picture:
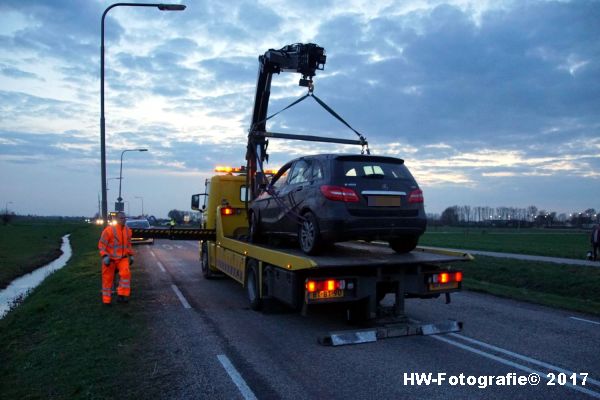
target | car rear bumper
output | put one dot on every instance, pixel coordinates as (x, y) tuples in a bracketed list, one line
[(335, 230)]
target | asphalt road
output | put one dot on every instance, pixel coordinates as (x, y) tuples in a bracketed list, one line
[(213, 346)]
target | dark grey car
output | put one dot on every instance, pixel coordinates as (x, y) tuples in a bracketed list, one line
[(329, 198)]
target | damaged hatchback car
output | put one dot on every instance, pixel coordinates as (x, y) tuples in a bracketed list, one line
[(328, 198)]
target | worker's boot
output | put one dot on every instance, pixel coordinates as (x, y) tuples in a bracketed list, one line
[(123, 299)]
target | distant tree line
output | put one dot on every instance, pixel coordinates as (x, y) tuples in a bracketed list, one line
[(512, 216)]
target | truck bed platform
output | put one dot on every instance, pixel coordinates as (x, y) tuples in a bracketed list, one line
[(364, 254)]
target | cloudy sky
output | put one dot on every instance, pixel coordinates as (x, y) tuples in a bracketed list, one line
[(490, 103)]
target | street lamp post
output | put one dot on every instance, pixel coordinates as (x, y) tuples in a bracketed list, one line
[(119, 203), (161, 7), (6, 207), (140, 197)]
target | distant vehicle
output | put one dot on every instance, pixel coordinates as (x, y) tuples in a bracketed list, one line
[(329, 198), (139, 223)]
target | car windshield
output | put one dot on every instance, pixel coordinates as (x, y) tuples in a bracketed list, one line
[(373, 169), (138, 224)]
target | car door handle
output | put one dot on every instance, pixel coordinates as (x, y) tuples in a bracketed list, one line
[(299, 188)]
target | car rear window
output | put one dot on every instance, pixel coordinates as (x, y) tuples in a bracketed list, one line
[(372, 169)]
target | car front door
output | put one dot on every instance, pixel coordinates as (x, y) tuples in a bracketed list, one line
[(293, 196), (268, 203)]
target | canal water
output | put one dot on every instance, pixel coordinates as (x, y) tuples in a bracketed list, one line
[(20, 287)]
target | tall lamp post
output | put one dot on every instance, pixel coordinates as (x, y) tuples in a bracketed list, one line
[(119, 203), (140, 197), (6, 208), (161, 7)]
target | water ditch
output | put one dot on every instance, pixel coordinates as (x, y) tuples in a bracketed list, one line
[(20, 287)]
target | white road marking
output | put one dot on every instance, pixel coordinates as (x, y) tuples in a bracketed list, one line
[(236, 378), (162, 268), (182, 299), (512, 364), (153, 255), (179, 246), (522, 357), (585, 320), (167, 246)]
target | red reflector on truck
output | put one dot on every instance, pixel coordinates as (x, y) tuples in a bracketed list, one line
[(458, 276)]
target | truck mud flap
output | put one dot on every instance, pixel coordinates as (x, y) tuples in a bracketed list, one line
[(346, 337)]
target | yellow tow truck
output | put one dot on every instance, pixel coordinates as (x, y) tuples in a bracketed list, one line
[(356, 274)]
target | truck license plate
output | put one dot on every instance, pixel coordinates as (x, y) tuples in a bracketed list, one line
[(325, 294), (443, 286), (384, 201)]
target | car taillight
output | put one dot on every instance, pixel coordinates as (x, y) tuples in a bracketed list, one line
[(339, 193), (416, 196)]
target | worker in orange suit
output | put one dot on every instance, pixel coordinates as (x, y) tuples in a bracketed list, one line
[(117, 254)]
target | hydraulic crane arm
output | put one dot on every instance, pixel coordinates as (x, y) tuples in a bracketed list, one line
[(305, 59)]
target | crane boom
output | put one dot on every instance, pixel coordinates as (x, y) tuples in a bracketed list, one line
[(305, 59)]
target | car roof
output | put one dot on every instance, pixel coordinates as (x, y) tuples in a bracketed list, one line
[(355, 157)]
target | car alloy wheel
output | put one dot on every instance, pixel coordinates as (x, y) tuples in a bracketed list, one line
[(308, 234)]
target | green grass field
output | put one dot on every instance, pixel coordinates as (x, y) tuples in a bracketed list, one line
[(540, 242), (27, 245), (556, 285), (61, 343)]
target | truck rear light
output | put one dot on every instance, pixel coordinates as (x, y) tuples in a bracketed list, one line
[(327, 284), (339, 193), (416, 196), (227, 210), (447, 277), (444, 277)]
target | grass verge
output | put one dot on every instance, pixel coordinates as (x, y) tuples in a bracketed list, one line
[(527, 241), (563, 286), (28, 245), (61, 343)]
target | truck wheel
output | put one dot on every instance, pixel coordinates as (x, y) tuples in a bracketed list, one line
[(309, 235), (252, 288), (254, 229), (404, 244), (206, 271)]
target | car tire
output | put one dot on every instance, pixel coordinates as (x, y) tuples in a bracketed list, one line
[(207, 273), (252, 286), (254, 234), (309, 234), (404, 244)]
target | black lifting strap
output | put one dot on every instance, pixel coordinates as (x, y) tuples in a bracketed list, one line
[(336, 115), (328, 109), (282, 110)]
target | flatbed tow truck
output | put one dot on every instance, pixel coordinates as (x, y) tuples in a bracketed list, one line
[(357, 274)]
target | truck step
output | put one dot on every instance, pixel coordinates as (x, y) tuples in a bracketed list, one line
[(357, 336)]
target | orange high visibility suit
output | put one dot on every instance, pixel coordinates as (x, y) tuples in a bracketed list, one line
[(115, 243)]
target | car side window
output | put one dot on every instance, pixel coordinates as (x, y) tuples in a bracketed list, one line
[(316, 171), (300, 172), (281, 179)]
